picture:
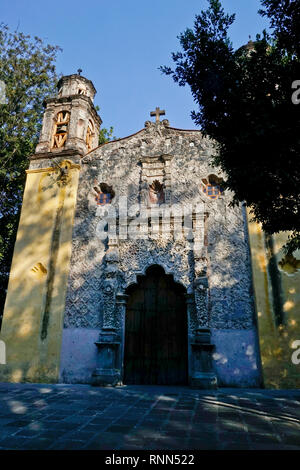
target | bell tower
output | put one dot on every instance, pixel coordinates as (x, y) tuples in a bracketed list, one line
[(71, 123), (35, 302)]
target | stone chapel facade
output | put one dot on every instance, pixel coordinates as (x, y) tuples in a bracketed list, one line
[(130, 266)]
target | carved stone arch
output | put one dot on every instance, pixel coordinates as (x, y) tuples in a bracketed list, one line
[(143, 273)]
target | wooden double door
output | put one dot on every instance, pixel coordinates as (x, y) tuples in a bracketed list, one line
[(156, 346)]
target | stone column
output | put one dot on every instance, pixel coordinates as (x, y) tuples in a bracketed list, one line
[(121, 301), (203, 376), (107, 372)]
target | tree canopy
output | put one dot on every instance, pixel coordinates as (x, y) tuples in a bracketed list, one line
[(284, 17), (244, 103), (106, 135), (27, 76)]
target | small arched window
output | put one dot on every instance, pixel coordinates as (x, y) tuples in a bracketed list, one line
[(104, 194), (212, 186), (60, 129), (89, 135)]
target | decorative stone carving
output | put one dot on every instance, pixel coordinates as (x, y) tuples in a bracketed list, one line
[(110, 285), (107, 373), (156, 193), (214, 266), (201, 299)]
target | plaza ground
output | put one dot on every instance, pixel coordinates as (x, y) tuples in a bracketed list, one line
[(42, 416)]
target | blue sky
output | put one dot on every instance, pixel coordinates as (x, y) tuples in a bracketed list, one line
[(120, 44)]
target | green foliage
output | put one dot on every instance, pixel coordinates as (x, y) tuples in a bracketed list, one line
[(244, 103), (106, 135), (28, 71), (284, 16)]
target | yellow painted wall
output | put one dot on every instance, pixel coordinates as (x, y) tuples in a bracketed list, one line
[(33, 315), (276, 340)]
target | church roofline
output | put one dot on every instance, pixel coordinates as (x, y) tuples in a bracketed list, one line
[(138, 132), (113, 141)]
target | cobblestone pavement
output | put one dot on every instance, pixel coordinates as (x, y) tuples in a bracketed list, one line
[(147, 417)]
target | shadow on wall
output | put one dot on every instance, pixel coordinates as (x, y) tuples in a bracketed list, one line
[(33, 315), (276, 281), (230, 285)]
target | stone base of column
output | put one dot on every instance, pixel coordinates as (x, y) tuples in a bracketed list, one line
[(203, 376), (106, 377), (107, 373), (204, 381)]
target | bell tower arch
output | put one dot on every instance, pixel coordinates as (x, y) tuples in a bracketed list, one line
[(71, 123)]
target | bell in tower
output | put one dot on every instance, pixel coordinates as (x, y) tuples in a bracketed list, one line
[(71, 123)]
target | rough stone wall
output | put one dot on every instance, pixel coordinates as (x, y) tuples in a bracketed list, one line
[(228, 264)]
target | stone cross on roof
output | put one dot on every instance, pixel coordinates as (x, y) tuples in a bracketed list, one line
[(158, 112)]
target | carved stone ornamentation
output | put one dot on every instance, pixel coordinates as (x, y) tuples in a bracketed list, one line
[(201, 300), (107, 372), (213, 265)]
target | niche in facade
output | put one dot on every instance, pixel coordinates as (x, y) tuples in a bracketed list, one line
[(89, 135)]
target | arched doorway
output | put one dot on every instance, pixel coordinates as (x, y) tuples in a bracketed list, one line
[(156, 340)]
